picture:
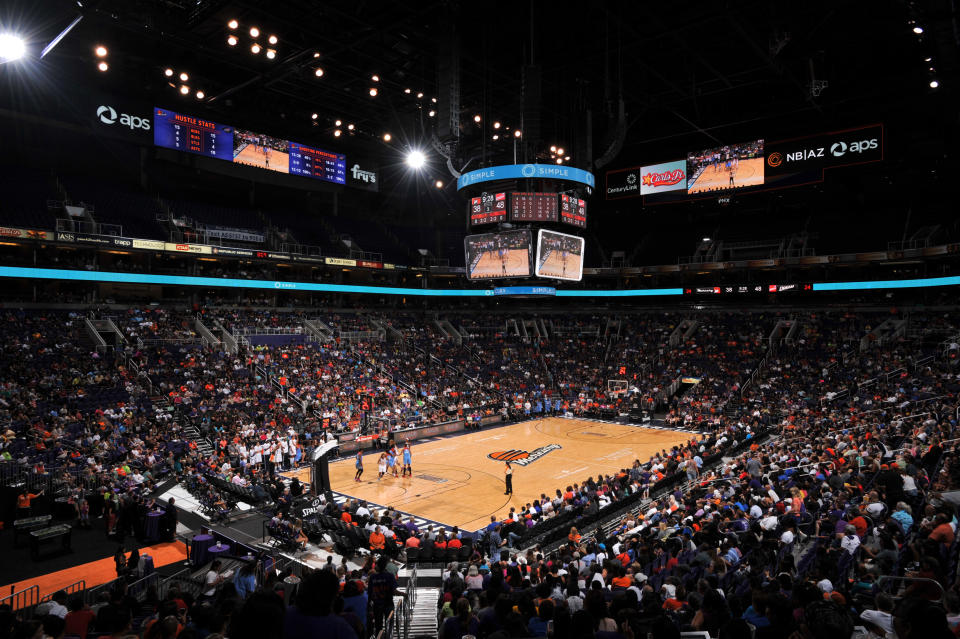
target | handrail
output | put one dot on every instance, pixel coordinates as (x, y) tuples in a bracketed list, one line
[(884, 578), (29, 596)]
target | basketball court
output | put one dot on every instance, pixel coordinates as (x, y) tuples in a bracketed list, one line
[(717, 178), (458, 481), (259, 156), (489, 265), (555, 266)]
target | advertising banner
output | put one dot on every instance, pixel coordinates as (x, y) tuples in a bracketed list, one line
[(340, 261), (825, 150), (198, 249), (666, 176)]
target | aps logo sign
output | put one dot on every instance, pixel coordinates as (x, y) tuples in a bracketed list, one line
[(108, 115), (522, 457)]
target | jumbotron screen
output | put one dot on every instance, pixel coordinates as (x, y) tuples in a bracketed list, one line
[(533, 207), (495, 255), (488, 208), (573, 210), (196, 135), (559, 256), (727, 167)]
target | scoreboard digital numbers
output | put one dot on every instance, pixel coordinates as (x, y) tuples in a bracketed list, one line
[(488, 208), (573, 210), (317, 163), (533, 207), (192, 134)]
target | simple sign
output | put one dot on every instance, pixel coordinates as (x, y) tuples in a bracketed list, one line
[(525, 172)]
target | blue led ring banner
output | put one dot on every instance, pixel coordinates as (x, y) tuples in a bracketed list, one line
[(524, 290), (525, 171), (185, 280)]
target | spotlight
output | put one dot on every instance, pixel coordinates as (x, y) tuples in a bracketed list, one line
[(496, 125), (201, 95), (184, 89), (373, 92), (337, 133), (272, 39), (11, 47), (706, 239), (517, 133), (567, 158), (349, 127), (928, 59), (419, 95), (438, 184), (918, 30), (416, 159), (101, 51), (375, 77), (431, 113), (255, 48), (559, 151), (407, 91), (184, 77), (318, 72), (316, 54), (553, 149), (934, 84), (232, 40), (254, 32), (476, 119), (496, 137), (168, 72), (233, 24), (314, 116), (103, 66), (271, 54), (434, 100), (387, 137), (559, 160), (338, 123)]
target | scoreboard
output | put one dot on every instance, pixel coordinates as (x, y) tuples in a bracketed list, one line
[(533, 207), (192, 134), (488, 208), (317, 163), (573, 210)]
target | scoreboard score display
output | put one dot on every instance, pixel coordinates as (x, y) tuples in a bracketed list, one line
[(317, 163), (488, 208), (192, 134), (533, 207), (573, 210)]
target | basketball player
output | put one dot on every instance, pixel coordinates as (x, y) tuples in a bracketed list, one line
[(359, 464), (407, 460), (508, 478), (563, 256), (731, 176), (382, 466), (391, 462), (503, 260)]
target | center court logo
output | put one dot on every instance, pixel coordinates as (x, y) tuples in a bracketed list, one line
[(522, 457)]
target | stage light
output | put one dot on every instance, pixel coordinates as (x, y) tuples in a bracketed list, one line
[(476, 119), (314, 116), (934, 84), (271, 54), (918, 30), (928, 59), (431, 113), (272, 39), (496, 137), (11, 47), (559, 151), (316, 54), (496, 125), (254, 32), (201, 95), (419, 95), (184, 77), (375, 77), (255, 48), (232, 41), (373, 92), (416, 159), (438, 184), (559, 160), (407, 91), (706, 239), (387, 137), (168, 72), (184, 89), (233, 24), (103, 66), (434, 100), (318, 72), (101, 51), (567, 158), (337, 133), (517, 133), (553, 149), (349, 127)]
